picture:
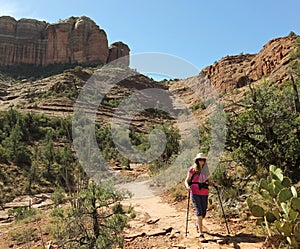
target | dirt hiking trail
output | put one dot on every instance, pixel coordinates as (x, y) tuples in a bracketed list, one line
[(159, 224)]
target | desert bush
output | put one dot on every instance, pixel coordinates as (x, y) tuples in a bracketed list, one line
[(96, 221), (197, 106), (178, 192), (21, 213), (58, 196), (23, 235), (266, 131)]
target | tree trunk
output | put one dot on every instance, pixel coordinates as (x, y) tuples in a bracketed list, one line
[(296, 95), (96, 228)]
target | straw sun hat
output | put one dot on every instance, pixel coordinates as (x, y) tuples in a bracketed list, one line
[(200, 156)]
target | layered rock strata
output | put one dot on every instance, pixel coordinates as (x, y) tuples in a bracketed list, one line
[(74, 40), (236, 71)]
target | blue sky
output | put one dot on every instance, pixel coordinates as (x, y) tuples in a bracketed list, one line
[(200, 32)]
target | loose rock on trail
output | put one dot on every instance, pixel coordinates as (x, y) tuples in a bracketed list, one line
[(159, 224)]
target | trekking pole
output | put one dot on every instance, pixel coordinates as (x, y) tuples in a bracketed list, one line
[(187, 214), (222, 209)]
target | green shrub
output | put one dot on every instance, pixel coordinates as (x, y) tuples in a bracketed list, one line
[(178, 192), (197, 106), (58, 196), (22, 235), (21, 213)]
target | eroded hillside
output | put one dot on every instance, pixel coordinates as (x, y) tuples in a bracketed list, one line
[(237, 71)]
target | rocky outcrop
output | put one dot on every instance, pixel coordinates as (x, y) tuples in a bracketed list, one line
[(74, 40), (236, 71), (272, 60), (119, 50), (229, 72), (271, 65), (20, 41)]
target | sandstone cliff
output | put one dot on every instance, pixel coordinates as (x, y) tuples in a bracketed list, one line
[(119, 50), (74, 40), (235, 71)]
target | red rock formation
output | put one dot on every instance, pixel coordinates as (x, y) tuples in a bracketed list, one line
[(20, 42), (118, 50), (229, 71), (74, 40), (235, 71), (272, 59)]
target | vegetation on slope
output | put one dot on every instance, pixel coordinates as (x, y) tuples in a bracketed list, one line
[(263, 131), (263, 137)]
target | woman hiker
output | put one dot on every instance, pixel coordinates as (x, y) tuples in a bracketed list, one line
[(197, 183)]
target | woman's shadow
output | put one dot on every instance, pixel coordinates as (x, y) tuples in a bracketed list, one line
[(235, 239)]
